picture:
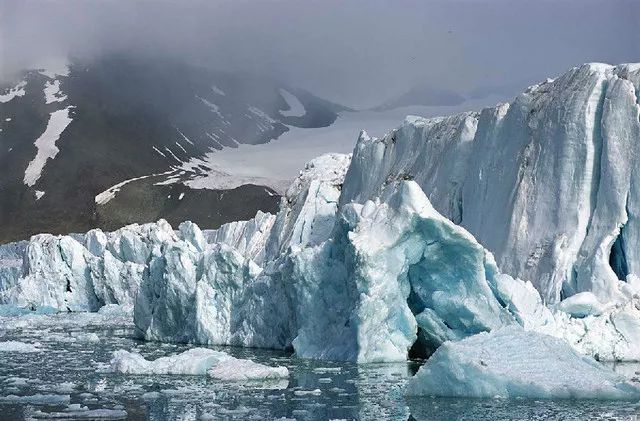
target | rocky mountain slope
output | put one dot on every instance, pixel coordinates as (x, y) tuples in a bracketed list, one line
[(111, 141)]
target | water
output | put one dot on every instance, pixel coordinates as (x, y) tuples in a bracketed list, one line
[(77, 349)]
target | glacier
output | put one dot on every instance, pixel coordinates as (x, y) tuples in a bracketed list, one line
[(548, 183), (524, 215)]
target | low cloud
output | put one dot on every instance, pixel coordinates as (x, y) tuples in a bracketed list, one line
[(357, 52)]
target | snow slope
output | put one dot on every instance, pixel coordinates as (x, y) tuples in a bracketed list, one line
[(277, 163)]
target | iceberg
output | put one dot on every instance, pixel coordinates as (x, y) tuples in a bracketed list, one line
[(514, 363), (196, 361)]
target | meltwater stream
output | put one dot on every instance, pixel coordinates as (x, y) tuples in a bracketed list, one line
[(66, 378)]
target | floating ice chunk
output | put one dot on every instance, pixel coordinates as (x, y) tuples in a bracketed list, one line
[(196, 361), (511, 363), (76, 412), (38, 399), (314, 392), (16, 346), (240, 370), (582, 305)]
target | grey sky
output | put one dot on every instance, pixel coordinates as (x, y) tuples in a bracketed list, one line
[(357, 52)]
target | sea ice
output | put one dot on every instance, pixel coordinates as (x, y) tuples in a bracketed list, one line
[(513, 363), (196, 361), (16, 346)]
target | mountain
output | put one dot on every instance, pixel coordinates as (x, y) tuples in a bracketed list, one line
[(110, 141), (523, 216), (425, 96)]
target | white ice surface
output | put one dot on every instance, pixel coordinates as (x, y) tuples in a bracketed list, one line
[(513, 363)]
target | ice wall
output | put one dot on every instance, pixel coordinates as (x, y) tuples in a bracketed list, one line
[(549, 183)]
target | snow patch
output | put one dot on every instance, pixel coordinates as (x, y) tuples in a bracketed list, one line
[(296, 109), (110, 193), (55, 67), (46, 145), (14, 92), (52, 92)]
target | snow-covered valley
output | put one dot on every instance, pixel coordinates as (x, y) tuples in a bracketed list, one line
[(520, 220)]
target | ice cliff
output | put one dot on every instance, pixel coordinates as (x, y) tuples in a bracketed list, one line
[(549, 183), (522, 216)]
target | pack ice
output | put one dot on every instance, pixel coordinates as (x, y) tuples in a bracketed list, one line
[(525, 214)]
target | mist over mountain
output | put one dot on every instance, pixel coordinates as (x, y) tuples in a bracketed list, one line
[(109, 142)]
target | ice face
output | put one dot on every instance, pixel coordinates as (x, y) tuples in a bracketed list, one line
[(513, 363), (549, 183)]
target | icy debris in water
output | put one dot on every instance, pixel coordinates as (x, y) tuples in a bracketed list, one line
[(314, 392), (65, 387), (17, 381), (512, 363), (151, 396), (241, 370), (16, 346), (321, 370), (38, 399), (196, 361), (77, 412)]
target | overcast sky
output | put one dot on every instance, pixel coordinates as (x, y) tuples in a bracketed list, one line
[(357, 52)]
